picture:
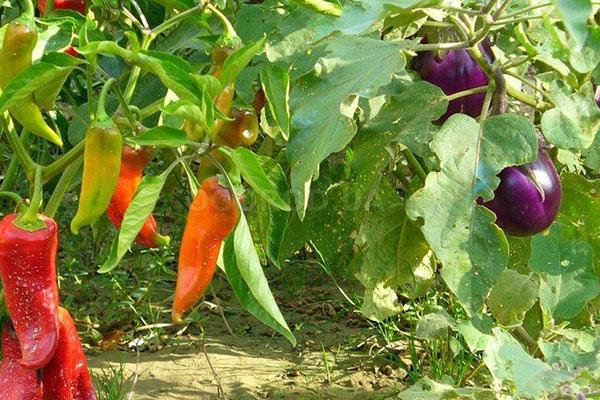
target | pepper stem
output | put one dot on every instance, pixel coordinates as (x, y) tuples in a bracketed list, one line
[(230, 36), (12, 196), (101, 114), (29, 219), (28, 10)]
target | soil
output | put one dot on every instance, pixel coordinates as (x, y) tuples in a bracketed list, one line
[(334, 358)]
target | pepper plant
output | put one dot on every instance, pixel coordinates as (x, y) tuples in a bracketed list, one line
[(420, 146)]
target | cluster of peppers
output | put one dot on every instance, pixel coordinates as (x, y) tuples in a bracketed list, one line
[(214, 211), (42, 353), (42, 356)]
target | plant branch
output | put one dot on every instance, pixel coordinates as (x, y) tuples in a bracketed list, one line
[(526, 10), (61, 188), (468, 92), (466, 11), (177, 19), (55, 168), (527, 99), (12, 196), (414, 164), (442, 46), (17, 146), (135, 71), (230, 33)]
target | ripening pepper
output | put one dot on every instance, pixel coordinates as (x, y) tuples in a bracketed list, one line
[(19, 41), (219, 55), (16, 382), (259, 102), (28, 273), (76, 5), (241, 131), (222, 101), (130, 177), (212, 216), (67, 377), (101, 165)]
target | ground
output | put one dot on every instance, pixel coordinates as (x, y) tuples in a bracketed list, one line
[(334, 358)]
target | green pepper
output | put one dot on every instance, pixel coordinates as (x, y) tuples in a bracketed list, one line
[(101, 166), (19, 41)]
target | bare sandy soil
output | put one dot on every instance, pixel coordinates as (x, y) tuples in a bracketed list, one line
[(333, 359)]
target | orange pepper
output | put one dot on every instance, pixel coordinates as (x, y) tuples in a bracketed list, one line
[(212, 216)]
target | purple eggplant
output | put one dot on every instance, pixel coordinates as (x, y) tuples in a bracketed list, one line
[(454, 72), (528, 198)]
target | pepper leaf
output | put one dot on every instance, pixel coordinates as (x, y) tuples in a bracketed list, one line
[(141, 206), (255, 175), (34, 80), (248, 280), (236, 62), (276, 86), (161, 136)]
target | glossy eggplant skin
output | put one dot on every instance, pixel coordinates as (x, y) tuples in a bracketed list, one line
[(454, 72), (519, 205)]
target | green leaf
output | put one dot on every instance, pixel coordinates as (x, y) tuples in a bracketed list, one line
[(579, 207), (248, 280), (236, 62), (406, 118), (584, 60), (171, 75), (380, 302), (275, 82), (141, 206), (324, 102), (509, 363), (161, 136), (46, 95), (271, 222), (321, 6), (573, 124), (477, 332), (255, 175), (434, 325), (565, 263), (574, 15), (34, 80), (511, 297), (473, 251), (391, 256), (428, 389)]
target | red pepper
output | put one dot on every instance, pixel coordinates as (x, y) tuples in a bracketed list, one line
[(77, 5), (259, 102), (16, 382), (72, 52), (67, 376), (28, 273), (132, 169)]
